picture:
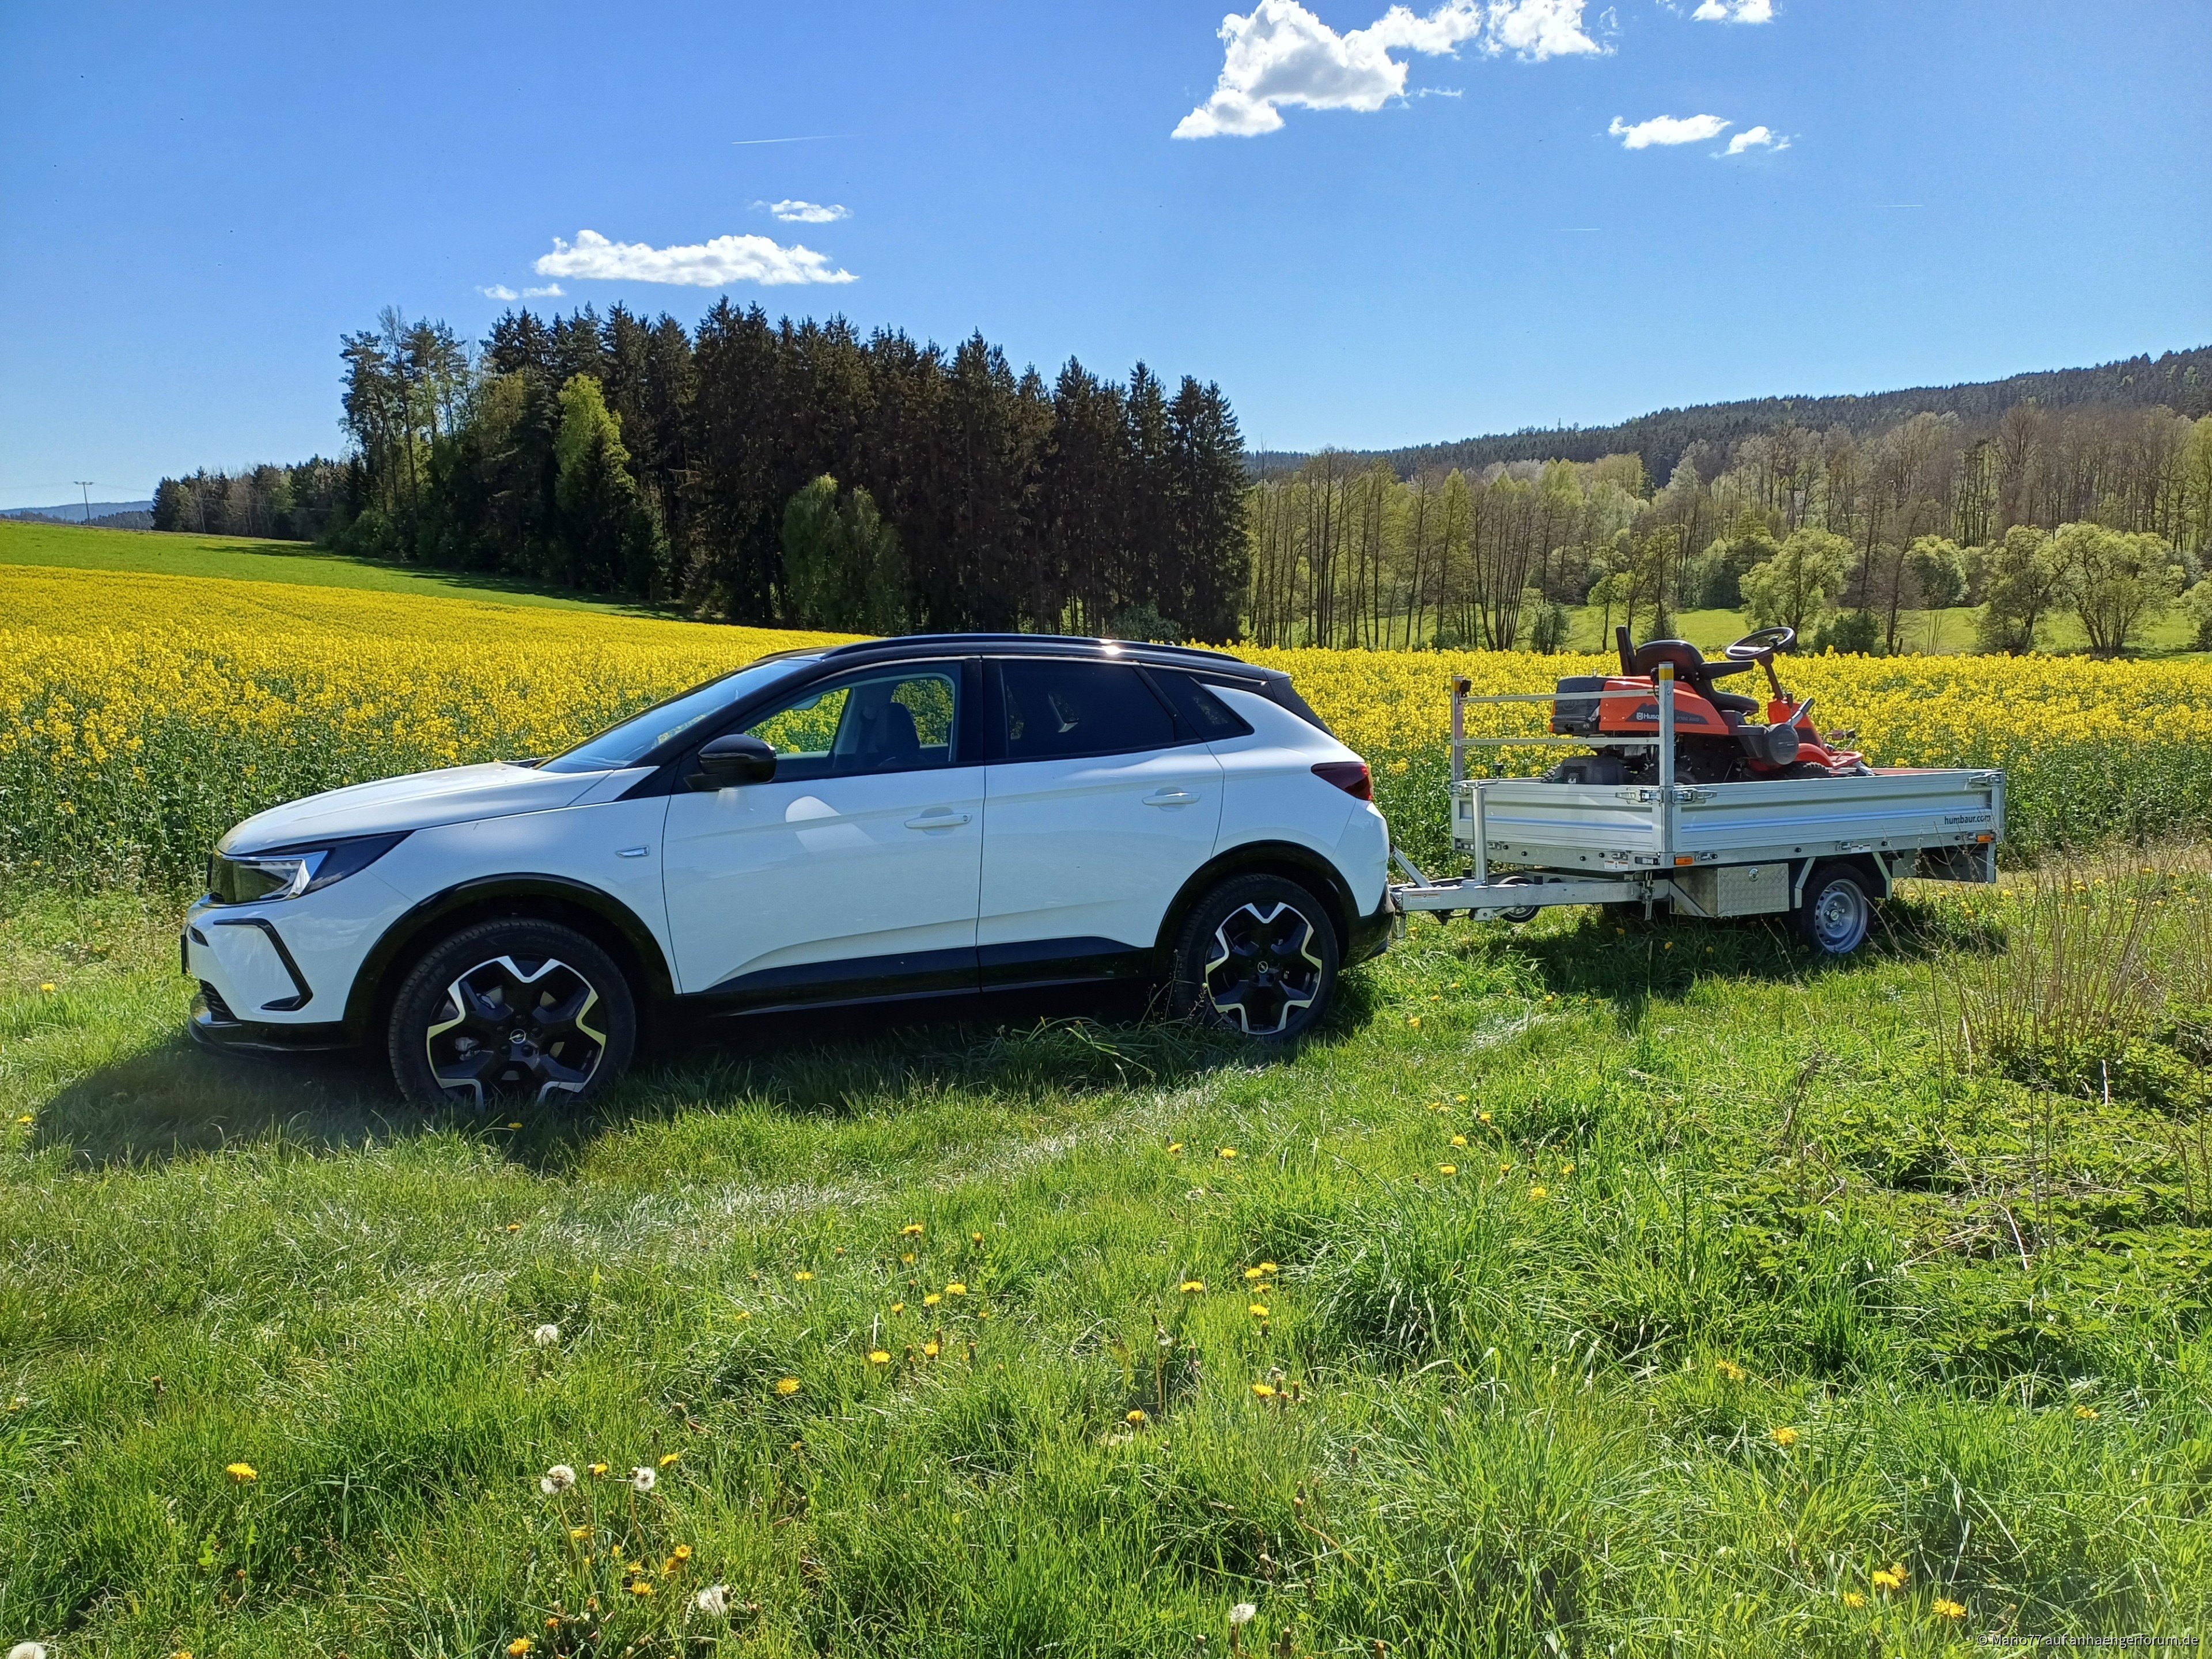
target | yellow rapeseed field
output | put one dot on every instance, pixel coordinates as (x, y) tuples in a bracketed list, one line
[(141, 716)]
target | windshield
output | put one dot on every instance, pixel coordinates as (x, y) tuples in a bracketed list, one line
[(627, 744)]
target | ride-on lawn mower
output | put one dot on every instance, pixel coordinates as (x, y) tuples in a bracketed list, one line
[(1715, 740)]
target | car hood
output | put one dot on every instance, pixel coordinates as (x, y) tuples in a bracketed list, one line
[(420, 800)]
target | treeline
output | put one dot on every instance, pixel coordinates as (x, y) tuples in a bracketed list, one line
[(2180, 381), (306, 502), (1918, 516), (743, 469)]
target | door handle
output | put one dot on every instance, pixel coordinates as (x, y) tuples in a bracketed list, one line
[(940, 818), (1170, 798)]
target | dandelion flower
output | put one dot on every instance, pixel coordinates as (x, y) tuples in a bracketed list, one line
[(670, 1458), (1538, 1194), (681, 1552), (802, 1275), (520, 1645), (787, 1385), (1888, 1578), (642, 1479), (556, 1479), (1136, 1419), (1459, 1140), (241, 1473), (1267, 1266), (955, 1288), (877, 1357), (907, 1259), (1784, 1436), (1175, 1146), (1258, 1311), (1415, 1020), (713, 1601), (1192, 1286), (1265, 1391), (641, 1587), (930, 1350), (1226, 1151), (1853, 1599), (2085, 1412), (1241, 1614), (546, 1335), (26, 1118), (1446, 1169), (1948, 1608), (598, 1468), (1730, 1370), (898, 1307), (1482, 1117), (47, 985), (975, 1238), (912, 1229), (1566, 1168), (580, 1532)]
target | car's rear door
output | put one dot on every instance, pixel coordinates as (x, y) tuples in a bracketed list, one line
[(1098, 806), (853, 873)]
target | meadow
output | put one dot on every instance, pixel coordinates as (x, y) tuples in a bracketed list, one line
[(1595, 1287)]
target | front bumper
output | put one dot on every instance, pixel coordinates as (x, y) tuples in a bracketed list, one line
[(215, 1028)]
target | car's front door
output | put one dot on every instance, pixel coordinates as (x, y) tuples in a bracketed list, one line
[(853, 873), (1098, 809)]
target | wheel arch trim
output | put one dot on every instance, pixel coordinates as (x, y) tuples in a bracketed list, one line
[(592, 911), (1284, 858)]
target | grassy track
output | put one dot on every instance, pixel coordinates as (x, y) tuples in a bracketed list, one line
[(1710, 1201), (242, 558)]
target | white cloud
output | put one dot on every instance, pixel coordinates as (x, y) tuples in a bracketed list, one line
[(1659, 129), (701, 264), (501, 291), (1757, 137), (1735, 11), (796, 212), (1279, 53)]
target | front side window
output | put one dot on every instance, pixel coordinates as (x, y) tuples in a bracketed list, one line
[(630, 742), (902, 721), (1057, 709)]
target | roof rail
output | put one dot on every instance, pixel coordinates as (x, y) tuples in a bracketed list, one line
[(1021, 642)]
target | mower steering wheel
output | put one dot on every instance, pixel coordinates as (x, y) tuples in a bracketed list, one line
[(1759, 642)]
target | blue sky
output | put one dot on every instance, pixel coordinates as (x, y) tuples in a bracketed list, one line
[(1482, 232)]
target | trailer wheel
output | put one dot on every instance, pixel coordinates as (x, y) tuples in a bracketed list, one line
[(1520, 912), (1836, 912)]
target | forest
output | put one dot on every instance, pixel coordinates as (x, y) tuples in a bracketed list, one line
[(772, 472), (795, 473), (2101, 512)]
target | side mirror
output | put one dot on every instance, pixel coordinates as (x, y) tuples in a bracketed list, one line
[(735, 759)]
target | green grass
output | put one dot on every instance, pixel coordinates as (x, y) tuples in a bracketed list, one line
[(241, 558), (1516, 1424)]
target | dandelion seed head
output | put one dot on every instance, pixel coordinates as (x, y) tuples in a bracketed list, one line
[(546, 1335)]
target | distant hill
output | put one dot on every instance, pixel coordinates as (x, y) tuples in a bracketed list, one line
[(113, 515), (2182, 380)]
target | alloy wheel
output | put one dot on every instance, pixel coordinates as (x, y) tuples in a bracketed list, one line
[(1265, 969), (516, 1029)]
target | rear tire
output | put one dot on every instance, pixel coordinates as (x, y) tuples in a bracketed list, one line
[(1837, 911), (1257, 955), (511, 1013)]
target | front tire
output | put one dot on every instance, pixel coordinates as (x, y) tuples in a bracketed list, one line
[(1835, 914), (510, 1014), (1257, 955)]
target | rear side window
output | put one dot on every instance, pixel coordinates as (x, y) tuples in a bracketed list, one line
[(1055, 709), (1203, 715)]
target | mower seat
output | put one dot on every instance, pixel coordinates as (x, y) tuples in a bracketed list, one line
[(1732, 702)]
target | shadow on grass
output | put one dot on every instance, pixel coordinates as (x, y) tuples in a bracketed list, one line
[(173, 1100), (1616, 955)]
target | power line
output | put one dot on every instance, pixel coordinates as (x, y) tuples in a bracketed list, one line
[(85, 484)]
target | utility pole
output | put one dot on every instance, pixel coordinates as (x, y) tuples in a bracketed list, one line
[(85, 484)]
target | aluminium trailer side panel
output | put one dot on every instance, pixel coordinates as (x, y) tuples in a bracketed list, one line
[(1596, 829)]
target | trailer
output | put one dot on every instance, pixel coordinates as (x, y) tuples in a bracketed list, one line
[(1818, 850)]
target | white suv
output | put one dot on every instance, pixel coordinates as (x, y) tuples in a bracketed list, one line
[(923, 818)]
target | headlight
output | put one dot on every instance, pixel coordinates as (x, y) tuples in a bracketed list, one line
[(288, 871)]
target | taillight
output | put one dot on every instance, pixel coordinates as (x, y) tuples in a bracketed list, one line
[(1350, 776)]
